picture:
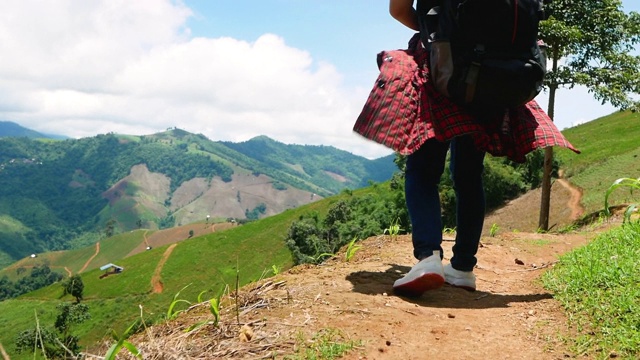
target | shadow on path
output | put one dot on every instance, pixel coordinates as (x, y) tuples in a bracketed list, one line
[(378, 283)]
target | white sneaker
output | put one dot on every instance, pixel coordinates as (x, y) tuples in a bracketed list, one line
[(428, 274), (462, 279)]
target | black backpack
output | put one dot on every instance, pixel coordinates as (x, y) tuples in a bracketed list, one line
[(484, 54)]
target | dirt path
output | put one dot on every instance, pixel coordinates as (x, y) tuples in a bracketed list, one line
[(68, 271), (574, 203), (156, 281), (91, 258), (510, 316)]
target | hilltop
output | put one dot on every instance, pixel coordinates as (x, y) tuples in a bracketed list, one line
[(11, 129)]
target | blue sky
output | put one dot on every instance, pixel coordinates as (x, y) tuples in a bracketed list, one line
[(298, 71)]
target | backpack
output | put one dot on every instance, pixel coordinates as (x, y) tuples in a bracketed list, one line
[(484, 54)]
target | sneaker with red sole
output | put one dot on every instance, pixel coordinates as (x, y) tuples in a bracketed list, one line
[(428, 274), (462, 279)]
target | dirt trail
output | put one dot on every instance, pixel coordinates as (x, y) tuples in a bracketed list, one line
[(156, 281), (574, 204), (91, 258), (510, 316)]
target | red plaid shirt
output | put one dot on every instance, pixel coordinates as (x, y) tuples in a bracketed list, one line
[(404, 110)]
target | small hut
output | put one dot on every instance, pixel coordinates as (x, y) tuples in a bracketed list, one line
[(111, 269)]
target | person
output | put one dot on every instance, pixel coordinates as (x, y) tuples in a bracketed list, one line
[(425, 131)]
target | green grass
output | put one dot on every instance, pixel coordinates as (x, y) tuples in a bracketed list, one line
[(204, 263), (111, 250), (328, 344), (599, 286), (610, 150)]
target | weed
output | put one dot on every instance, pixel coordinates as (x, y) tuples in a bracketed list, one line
[(494, 230), (276, 270), (394, 229), (214, 309), (352, 248), (448, 231), (121, 342), (328, 344), (318, 259), (626, 182), (171, 312)]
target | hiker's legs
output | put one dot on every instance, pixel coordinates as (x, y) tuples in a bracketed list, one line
[(466, 170), (423, 171)]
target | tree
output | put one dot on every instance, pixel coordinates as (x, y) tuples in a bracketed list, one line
[(595, 39), (110, 228), (57, 342), (74, 287)]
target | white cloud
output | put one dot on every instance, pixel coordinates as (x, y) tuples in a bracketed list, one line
[(83, 67)]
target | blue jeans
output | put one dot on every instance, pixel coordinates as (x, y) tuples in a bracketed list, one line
[(423, 172)]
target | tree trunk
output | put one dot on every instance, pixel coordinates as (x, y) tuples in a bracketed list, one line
[(545, 201)]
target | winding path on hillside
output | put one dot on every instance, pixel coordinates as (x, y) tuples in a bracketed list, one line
[(91, 258), (576, 197), (156, 281)]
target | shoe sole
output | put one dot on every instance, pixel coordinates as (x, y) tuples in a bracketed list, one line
[(418, 286), (468, 288)]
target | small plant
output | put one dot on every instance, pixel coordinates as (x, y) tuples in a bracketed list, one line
[(276, 270), (171, 312), (122, 342), (448, 231), (352, 248), (214, 308), (494, 230), (627, 182), (318, 259), (327, 344), (568, 228), (394, 229)]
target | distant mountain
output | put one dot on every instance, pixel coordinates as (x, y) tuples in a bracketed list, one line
[(11, 129), (63, 194)]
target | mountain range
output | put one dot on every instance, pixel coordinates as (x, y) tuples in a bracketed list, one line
[(61, 194)]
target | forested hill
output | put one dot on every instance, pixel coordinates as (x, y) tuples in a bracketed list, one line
[(56, 194), (8, 128)]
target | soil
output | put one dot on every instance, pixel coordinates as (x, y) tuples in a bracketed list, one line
[(156, 281), (510, 316), (91, 258)]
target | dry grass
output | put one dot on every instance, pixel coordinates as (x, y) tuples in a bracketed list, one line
[(235, 336)]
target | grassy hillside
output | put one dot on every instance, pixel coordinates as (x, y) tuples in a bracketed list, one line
[(111, 249), (202, 263), (610, 150)]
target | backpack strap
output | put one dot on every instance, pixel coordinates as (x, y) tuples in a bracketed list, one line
[(427, 19)]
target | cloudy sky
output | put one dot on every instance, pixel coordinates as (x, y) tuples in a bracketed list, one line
[(297, 71)]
